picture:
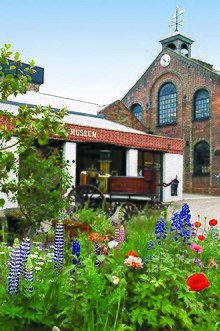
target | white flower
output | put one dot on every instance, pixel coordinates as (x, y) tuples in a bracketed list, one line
[(33, 256), (112, 244), (40, 263), (50, 254), (116, 280), (37, 268)]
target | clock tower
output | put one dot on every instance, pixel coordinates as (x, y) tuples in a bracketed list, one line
[(178, 43)]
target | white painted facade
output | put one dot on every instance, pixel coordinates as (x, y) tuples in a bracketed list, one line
[(131, 162), (172, 167), (70, 158)]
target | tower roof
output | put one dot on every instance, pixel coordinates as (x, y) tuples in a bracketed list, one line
[(176, 36)]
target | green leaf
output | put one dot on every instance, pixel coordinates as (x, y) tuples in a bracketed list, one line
[(7, 46), (12, 67), (16, 56), (2, 203)]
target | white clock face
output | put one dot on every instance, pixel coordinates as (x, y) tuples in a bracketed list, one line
[(165, 60)]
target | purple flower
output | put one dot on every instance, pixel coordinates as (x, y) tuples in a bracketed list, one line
[(15, 268), (121, 234), (25, 252), (58, 246)]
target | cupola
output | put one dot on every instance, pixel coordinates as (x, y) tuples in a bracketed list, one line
[(178, 43)]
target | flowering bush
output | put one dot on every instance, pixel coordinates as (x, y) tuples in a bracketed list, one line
[(149, 275)]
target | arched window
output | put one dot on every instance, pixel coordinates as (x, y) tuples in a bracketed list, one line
[(201, 104), (167, 104), (137, 111), (201, 158)]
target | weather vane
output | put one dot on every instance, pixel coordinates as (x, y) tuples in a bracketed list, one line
[(176, 20)]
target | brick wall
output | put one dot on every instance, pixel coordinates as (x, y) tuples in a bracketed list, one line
[(117, 112), (127, 139), (188, 77)]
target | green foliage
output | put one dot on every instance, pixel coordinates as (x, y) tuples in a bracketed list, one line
[(155, 297), (42, 179)]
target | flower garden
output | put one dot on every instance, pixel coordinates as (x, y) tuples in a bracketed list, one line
[(152, 273)]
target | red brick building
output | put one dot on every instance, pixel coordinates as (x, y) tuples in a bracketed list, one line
[(179, 96)]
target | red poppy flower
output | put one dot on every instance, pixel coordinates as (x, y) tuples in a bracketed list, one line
[(132, 253), (197, 282), (201, 237), (213, 222), (197, 224)]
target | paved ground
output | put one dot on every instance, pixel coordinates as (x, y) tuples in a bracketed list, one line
[(203, 205)]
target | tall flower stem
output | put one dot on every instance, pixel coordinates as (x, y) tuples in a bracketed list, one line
[(117, 313), (58, 247), (15, 268)]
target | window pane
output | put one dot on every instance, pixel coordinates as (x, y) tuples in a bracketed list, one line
[(201, 105), (137, 112), (167, 104), (201, 158)]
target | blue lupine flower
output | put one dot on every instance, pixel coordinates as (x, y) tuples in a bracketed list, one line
[(160, 231), (181, 222), (151, 245), (15, 268), (185, 214), (76, 253), (25, 252), (185, 233), (58, 246), (98, 252), (29, 276), (177, 222)]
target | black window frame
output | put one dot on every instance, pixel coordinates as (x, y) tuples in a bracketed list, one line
[(137, 113), (201, 110), (167, 104), (201, 159)]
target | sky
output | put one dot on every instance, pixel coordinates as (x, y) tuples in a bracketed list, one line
[(96, 50)]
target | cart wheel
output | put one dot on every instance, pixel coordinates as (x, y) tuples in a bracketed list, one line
[(85, 195), (128, 210), (111, 208)]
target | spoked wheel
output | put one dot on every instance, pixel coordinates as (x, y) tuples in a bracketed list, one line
[(127, 211), (85, 195), (112, 208)]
